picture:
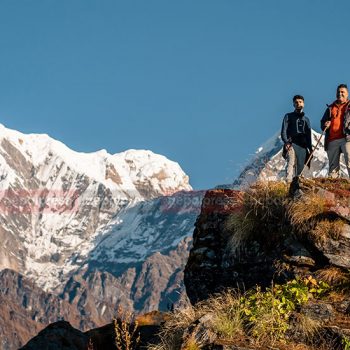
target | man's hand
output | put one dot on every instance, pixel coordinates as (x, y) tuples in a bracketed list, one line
[(288, 146), (327, 124)]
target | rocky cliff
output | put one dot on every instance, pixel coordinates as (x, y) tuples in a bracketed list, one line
[(270, 234), (244, 238)]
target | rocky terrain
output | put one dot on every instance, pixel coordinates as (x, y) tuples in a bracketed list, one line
[(221, 259), (98, 230), (272, 234), (283, 247)]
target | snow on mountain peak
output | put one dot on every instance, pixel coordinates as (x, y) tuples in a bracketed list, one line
[(117, 171), (268, 164), (55, 202)]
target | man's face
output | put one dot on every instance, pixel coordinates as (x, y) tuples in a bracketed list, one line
[(298, 104), (342, 94)]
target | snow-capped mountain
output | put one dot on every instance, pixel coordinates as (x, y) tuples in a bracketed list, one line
[(63, 211), (268, 163)]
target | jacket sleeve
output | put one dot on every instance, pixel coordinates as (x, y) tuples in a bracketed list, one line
[(326, 117), (308, 134), (284, 136)]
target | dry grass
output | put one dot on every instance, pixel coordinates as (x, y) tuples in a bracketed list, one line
[(292, 346), (265, 199), (225, 323), (227, 309), (306, 327), (339, 280), (242, 226), (303, 210), (333, 276), (261, 204), (191, 343), (182, 318), (325, 229), (298, 347), (171, 335), (232, 311), (127, 335)]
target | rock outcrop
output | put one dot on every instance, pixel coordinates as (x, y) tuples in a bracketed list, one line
[(61, 335), (272, 235), (276, 238)]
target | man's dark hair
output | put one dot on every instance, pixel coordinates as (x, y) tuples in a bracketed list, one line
[(342, 86), (298, 97)]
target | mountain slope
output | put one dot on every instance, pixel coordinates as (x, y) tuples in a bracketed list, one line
[(54, 201)]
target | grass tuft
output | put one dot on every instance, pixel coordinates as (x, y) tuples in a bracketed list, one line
[(227, 310), (304, 209), (306, 327), (171, 335), (191, 343), (261, 205), (325, 229)]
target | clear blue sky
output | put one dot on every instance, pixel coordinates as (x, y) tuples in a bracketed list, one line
[(201, 82)]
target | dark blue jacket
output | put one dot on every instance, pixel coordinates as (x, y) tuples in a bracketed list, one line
[(296, 128)]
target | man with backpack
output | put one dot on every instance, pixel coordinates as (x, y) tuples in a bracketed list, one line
[(336, 125), (296, 135)]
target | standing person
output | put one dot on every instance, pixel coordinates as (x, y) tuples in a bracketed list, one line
[(296, 135), (336, 124)]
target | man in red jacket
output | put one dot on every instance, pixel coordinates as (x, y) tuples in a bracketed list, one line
[(336, 123)]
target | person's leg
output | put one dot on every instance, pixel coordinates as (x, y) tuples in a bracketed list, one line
[(291, 164), (346, 150), (333, 153), (300, 155)]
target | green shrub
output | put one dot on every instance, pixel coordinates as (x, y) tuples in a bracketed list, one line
[(265, 315)]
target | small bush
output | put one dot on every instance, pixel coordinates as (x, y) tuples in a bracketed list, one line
[(265, 320), (265, 316)]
